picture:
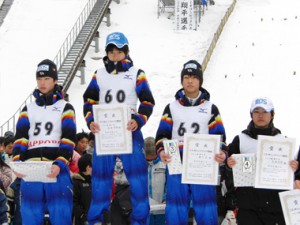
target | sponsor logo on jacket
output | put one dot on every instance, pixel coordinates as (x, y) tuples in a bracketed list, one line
[(42, 142)]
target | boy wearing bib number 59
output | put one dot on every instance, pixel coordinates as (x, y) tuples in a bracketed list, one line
[(120, 82), (191, 112), (46, 131)]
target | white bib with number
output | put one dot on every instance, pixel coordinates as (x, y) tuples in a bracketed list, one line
[(118, 88), (193, 119), (45, 124)]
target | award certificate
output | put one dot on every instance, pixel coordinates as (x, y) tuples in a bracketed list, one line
[(199, 165), (273, 169), (244, 170), (171, 147), (113, 138), (34, 171), (290, 202)]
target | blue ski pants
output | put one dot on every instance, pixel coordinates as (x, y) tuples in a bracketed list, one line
[(135, 168), (178, 201)]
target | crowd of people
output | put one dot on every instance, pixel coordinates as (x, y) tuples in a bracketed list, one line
[(120, 189)]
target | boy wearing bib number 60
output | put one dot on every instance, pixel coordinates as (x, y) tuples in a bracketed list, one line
[(120, 82), (191, 112), (46, 131)]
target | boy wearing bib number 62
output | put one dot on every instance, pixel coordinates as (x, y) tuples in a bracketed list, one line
[(46, 131), (191, 112), (120, 82)]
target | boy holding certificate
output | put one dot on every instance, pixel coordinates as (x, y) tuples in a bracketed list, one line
[(257, 206), (46, 131), (191, 112), (119, 82)]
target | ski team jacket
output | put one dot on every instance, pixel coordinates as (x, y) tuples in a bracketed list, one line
[(211, 124), (95, 95), (250, 198), (60, 148)]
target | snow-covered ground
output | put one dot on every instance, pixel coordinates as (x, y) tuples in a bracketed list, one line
[(257, 54)]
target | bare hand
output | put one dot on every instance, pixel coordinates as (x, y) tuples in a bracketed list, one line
[(132, 125), (94, 127), (231, 162), (54, 171), (297, 184), (220, 157), (294, 165), (19, 175), (165, 158)]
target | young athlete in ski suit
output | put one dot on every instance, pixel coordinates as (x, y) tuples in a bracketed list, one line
[(46, 131), (191, 112), (120, 82)]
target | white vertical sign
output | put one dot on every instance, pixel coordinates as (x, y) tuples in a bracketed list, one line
[(184, 14)]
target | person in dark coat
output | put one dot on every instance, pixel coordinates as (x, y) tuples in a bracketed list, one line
[(256, 205), (4, 208), (82, 189)]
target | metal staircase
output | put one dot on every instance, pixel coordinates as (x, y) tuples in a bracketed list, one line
[(4, 8), (69, 65), (72, 51)]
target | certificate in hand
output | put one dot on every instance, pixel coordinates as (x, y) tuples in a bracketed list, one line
[(171, 147), (113, 138), (273, 170), (290, 202), (34, 171), (244, 170), (199, 165)]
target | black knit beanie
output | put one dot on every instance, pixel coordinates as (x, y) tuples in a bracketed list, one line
[(192, 67), (47, 68)]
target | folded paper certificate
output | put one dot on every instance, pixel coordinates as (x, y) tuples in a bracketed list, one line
[(244, 170), (290, 202), (171, 147), (34, 171), (199, 165), (273, 170), (113, 138)]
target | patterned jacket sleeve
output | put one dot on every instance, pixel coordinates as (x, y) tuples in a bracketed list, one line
[(4, 209), (6, 176), (21, 142), (164, 130), (216, 126), (68, 136), (90, 98), (146, 100)]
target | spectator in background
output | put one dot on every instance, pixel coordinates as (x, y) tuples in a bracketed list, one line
[(8, 148), (73, 165), (156, 181), (81, 142), (8, 134), (14, 200), (82, 190), (91, 143), (2, 146), (121, 207), (5, 174), (4, 208)]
